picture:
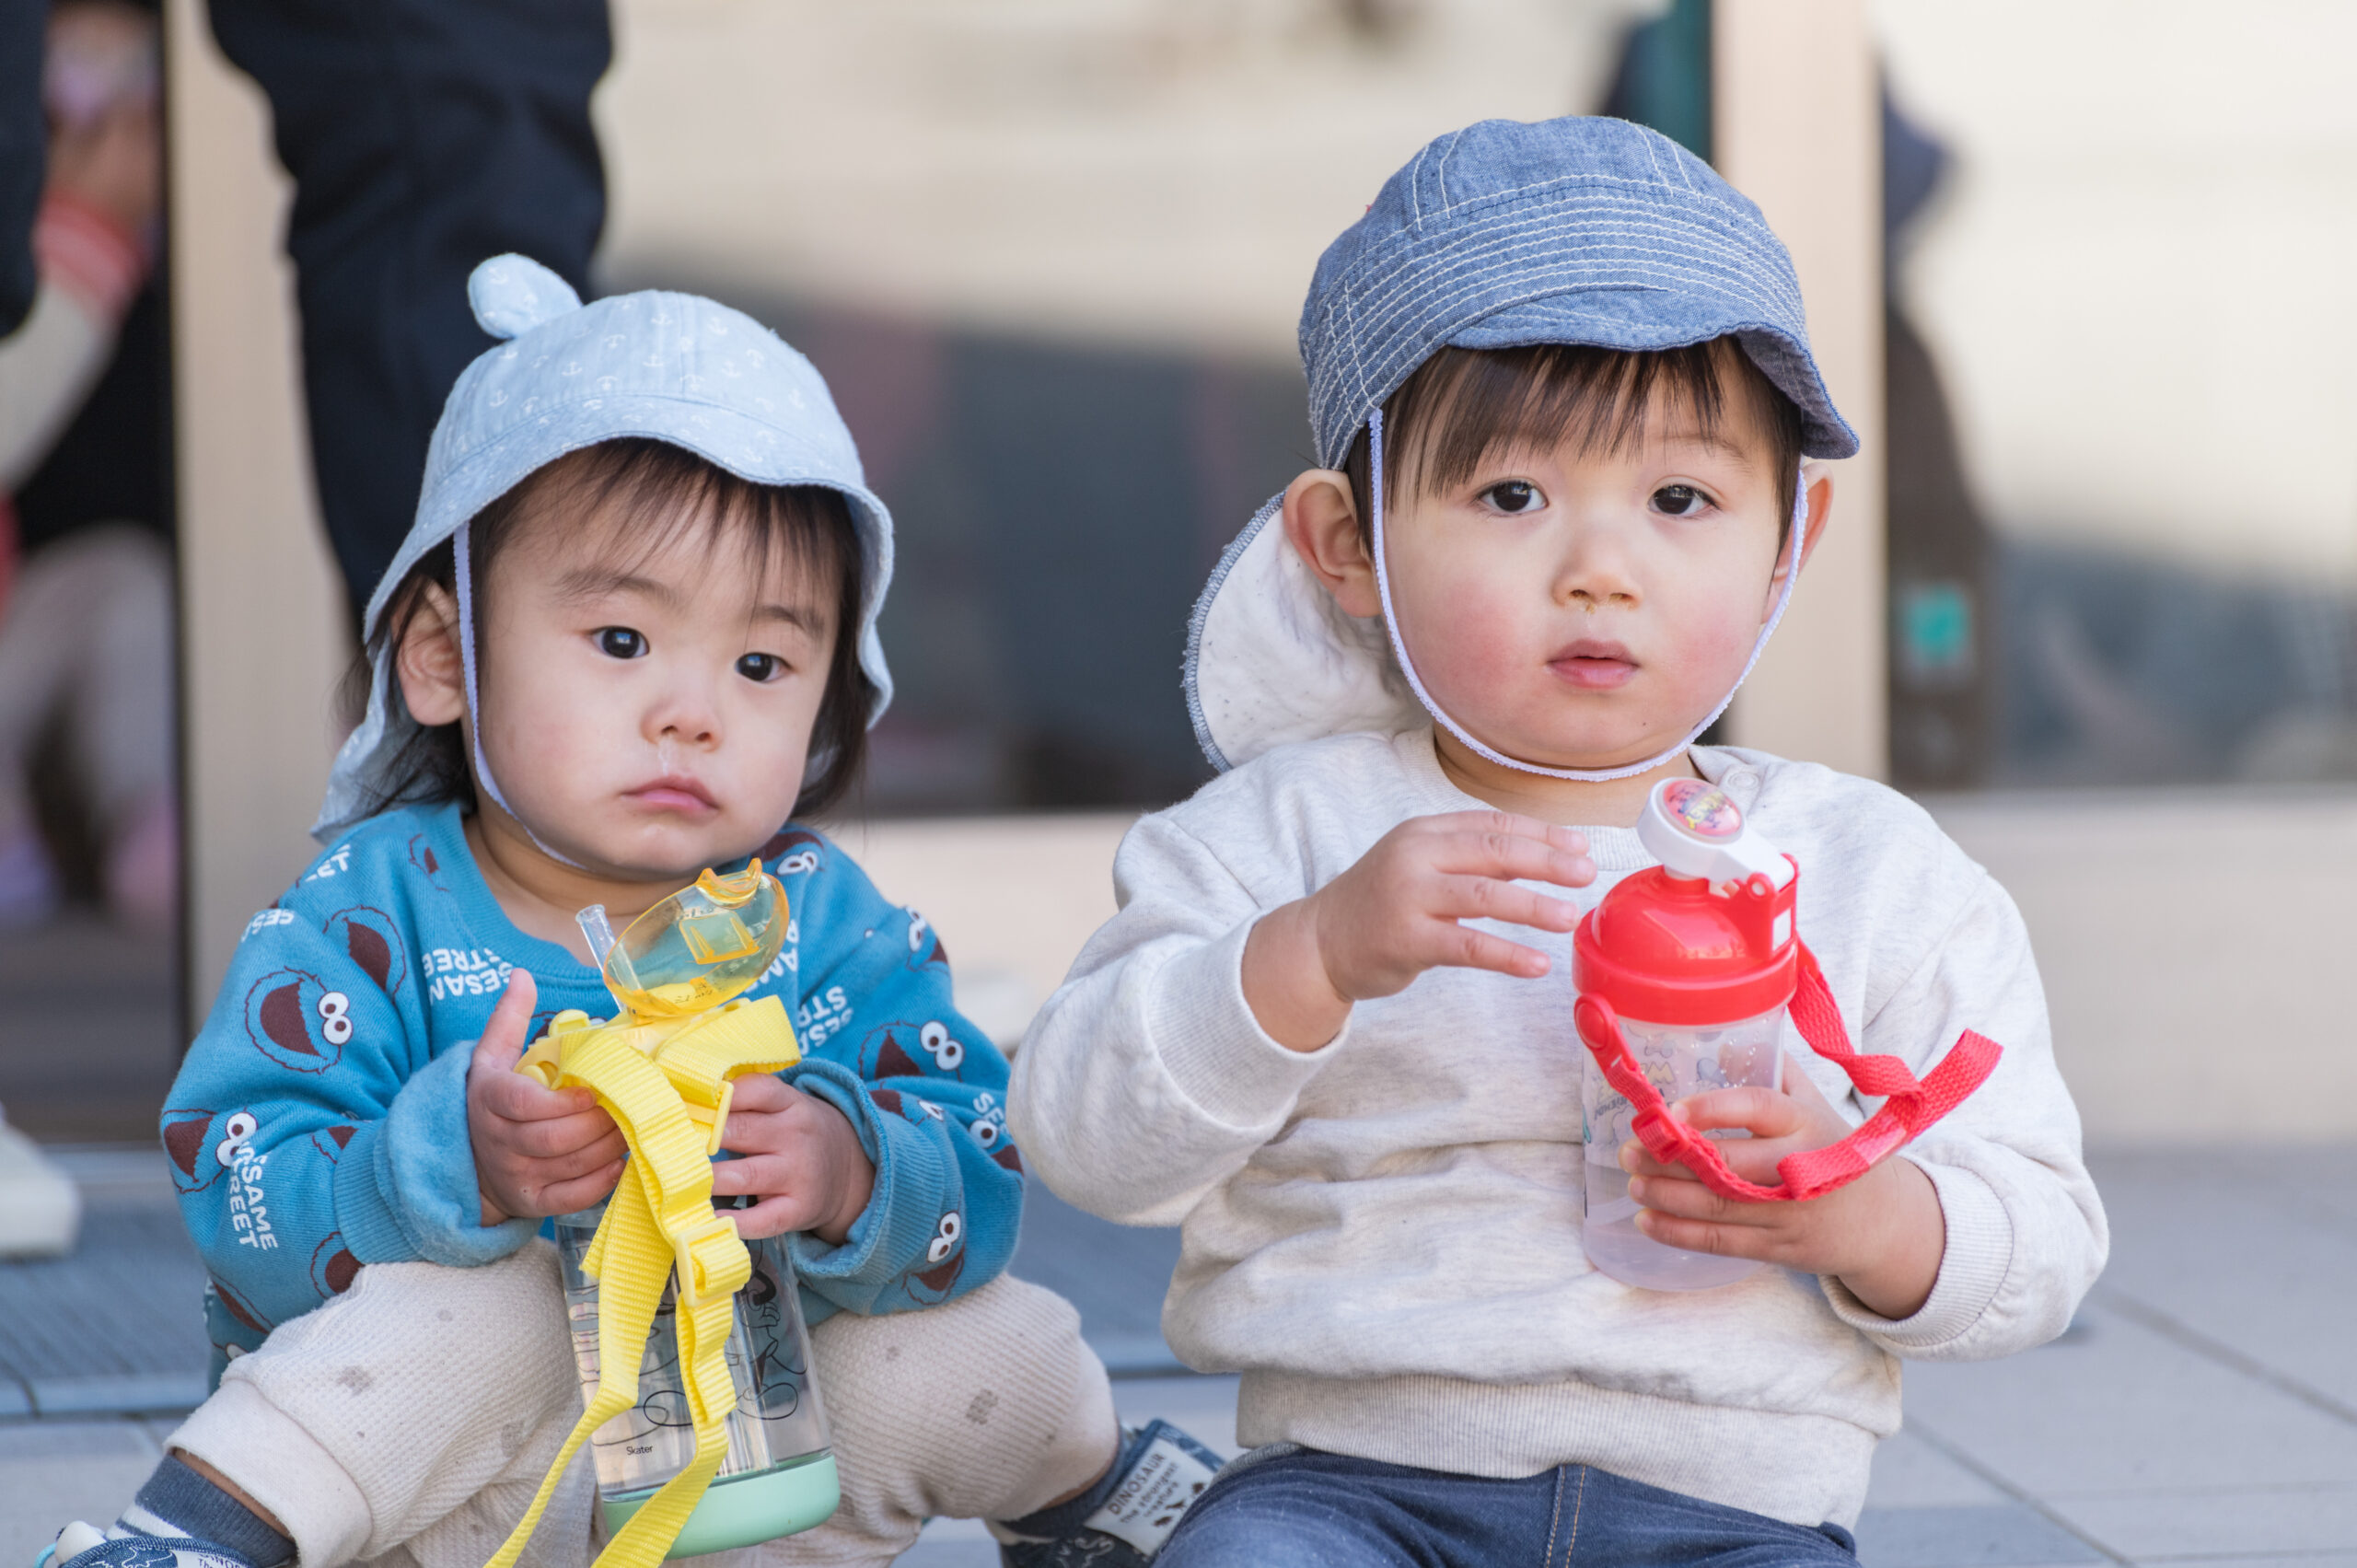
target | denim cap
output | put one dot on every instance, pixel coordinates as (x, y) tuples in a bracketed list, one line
[(1502, 234), (666, 366)]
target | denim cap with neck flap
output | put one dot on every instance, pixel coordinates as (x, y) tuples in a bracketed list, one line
[(664, 367), (1502, 234)]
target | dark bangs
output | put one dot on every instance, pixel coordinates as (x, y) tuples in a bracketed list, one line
[(656, 492), (1462, 406)]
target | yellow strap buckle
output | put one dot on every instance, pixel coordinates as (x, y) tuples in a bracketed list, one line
[(666, 1083), (712, 1262)]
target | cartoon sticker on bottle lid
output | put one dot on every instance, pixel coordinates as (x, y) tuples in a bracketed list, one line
[(1700, 810)]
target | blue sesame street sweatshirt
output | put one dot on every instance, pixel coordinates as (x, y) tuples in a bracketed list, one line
[(319, 1120)]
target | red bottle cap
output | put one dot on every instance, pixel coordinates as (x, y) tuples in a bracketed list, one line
[(1672, 949)]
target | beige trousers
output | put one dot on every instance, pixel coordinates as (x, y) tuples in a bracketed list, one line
[(409, 1421)]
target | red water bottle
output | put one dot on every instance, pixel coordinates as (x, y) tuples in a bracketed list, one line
[(1685, 974), (1696, 959)]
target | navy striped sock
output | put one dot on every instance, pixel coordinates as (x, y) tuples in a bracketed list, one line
[(177, 1500)]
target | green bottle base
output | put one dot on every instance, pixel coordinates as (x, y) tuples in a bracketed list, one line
[(744, 1510)]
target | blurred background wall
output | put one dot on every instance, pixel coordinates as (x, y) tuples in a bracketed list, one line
[(1051, 257), (2134, 280), (1050, 254)]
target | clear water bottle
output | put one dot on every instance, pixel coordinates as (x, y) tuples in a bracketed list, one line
[(1697, 958), (779, 1475)]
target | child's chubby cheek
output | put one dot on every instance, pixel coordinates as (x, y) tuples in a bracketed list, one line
[(1701, 646), (1469, 632)]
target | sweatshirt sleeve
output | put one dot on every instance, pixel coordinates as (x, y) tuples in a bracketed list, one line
[(310, 1131), (1146, 1081), (2025, 1233), (925, 1088)]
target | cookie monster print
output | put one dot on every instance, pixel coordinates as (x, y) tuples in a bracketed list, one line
[(945, 1259), (359, 981), (238, 1308), (366, 936), (332, 1266), (920, 1051), (797, 851), (926, 955), (989, 1126), (427, 863), (296, 1020), (883, 1055), (193, 1144)]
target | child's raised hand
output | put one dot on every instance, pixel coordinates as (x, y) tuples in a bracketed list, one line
[(1882, 1235), (799, 1155), (1375, 928), (537, 1151)]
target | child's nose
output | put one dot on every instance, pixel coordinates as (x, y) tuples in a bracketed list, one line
[(686, 714), (1593, 599), (1597, 568)]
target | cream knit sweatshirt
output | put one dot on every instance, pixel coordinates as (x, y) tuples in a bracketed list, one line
[(1383, 1236)]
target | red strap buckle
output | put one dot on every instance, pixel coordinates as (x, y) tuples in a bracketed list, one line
[(1909, 1105)]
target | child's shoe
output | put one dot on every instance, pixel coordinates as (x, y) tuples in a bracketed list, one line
[(1123, 1520), (40, 1209), (86, 1546), (180, 1520)]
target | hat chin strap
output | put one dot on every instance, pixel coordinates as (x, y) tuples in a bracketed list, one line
[(1416, 684), (465, 574)]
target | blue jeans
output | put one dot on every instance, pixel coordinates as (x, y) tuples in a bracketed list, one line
[(1306, 1509)]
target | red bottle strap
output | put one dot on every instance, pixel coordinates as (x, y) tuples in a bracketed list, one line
[(1909, 1105)]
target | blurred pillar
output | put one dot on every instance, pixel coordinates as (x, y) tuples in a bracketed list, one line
[(1798, 127), (261, 643)]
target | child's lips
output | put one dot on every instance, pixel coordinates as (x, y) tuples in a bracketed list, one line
[(1593, 665), (675, 792)]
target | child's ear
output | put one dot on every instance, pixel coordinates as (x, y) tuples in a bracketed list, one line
[(1816, 482), (1322, 523), (428, 663)]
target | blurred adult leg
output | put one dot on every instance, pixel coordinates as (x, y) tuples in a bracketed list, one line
[(424, 136), (87, 633), (24, 152)]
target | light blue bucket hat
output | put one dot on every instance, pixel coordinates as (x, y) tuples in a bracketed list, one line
[(1502, 234), (666, 366)]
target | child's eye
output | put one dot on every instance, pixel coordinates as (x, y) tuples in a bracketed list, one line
[(1679, 500), (620, 642), (1515, 497), (762, 668)]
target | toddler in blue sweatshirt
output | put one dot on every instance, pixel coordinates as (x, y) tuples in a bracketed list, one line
[(631, 632)]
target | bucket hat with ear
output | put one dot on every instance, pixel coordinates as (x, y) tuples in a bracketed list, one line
[(1502, 234), (666, 366)]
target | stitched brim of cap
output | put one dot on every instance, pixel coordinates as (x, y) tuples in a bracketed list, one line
[(1622, 318), (758, 452), (1271, 659), (749, 449)]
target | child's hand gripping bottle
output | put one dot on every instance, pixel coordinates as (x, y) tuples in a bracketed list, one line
[(1686, 972), (707, 1433)]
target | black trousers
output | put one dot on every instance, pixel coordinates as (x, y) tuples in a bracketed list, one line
[(24, 151), (424, 136)]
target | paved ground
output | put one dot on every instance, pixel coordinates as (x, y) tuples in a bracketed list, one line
[(2204, 1410)]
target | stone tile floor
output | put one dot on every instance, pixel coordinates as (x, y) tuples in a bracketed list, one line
[(2203, 1411)]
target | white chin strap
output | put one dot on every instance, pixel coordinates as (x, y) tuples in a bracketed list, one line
[(465, 575), (1416, 684)]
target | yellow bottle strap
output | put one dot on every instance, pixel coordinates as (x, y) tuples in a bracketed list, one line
[(667, 1086)]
